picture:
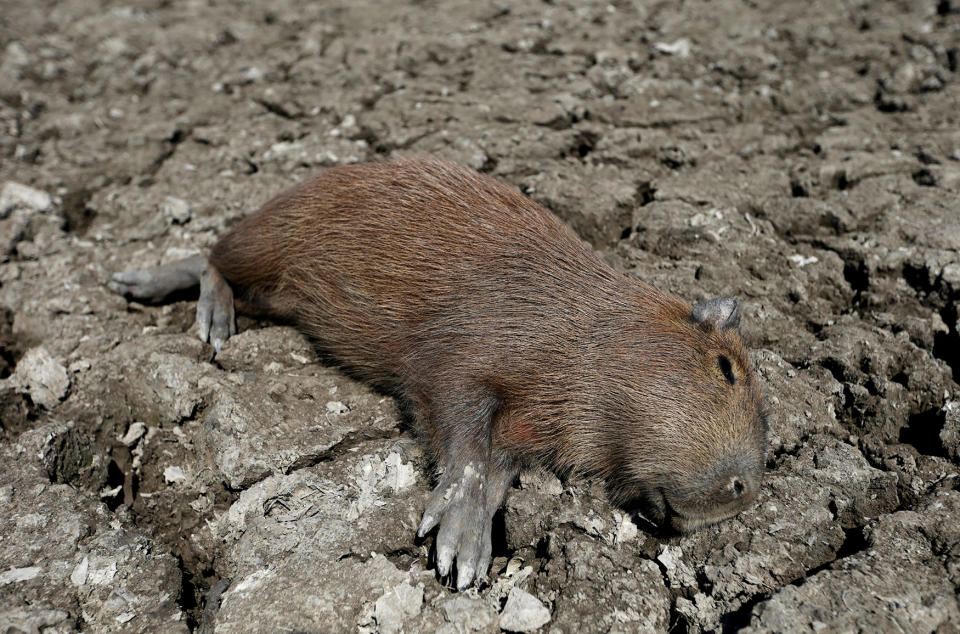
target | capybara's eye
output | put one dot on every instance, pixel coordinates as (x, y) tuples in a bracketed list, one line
[(727, 369)]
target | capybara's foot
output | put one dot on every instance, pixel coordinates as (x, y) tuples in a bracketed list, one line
[(156, 284), (459, 506), (216, 320)]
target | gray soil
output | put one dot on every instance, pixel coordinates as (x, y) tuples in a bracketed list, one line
[(804, 156)]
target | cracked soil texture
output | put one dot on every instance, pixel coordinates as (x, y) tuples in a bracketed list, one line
[(803, 156)]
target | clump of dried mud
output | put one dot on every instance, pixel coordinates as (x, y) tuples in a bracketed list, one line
[(804, 156)]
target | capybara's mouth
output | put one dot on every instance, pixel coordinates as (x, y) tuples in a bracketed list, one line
[(655, 506), (689, 523), (684, 520)]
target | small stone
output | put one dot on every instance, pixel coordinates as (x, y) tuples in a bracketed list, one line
[(801, 261), (400, 475), (103, 574), (79, 575), (626, 530), (136, 431), (12, 230), (906, 78), (834, 176), (251, 75), (273, 368), (81, 365), (950, 432), (15, 56), (174, 475), (336, 407), (15, 575), (401, 603), (680, 48), (43, 377), (700, 609), (523, 612), (679, 573), (125, 617), (951, 276), (472, 614), (17, 196), (176, 210)]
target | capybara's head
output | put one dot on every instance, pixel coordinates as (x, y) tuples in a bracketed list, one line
[(692, 444)]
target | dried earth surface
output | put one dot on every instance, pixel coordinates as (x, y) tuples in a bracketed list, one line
[(804, 156)]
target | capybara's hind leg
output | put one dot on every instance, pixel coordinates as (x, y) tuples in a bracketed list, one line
[(156, 284), (215, 313), (215, 310)]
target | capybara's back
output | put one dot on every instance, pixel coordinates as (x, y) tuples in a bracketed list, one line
[(412, 262)]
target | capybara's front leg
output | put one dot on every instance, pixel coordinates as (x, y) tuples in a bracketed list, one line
[(475, 479), (463, 504)]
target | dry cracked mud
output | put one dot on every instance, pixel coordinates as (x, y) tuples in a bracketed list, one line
[(804, 156)]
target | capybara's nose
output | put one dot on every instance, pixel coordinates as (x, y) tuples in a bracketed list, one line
[(740, 489), (737, 487)]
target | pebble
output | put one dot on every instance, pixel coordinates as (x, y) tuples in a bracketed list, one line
[(336, 407), (15, 195), (174, 475), (42, 377), (16, 575), (134, 433), (472, 614), (176, 210), (401, 603), (523, 612), (680, 48)]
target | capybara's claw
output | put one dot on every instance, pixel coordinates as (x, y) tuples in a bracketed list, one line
[(473, 554), (463, 531), (427, 524)]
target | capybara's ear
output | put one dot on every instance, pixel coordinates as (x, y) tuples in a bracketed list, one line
[(721, 313)]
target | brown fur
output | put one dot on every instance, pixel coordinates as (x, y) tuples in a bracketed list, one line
[(508, 336)]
